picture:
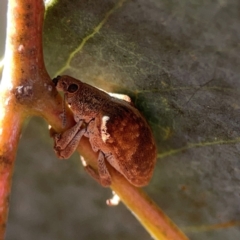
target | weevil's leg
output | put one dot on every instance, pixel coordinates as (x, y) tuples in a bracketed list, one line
[(63, 139), (71, 147), (102, 177), (86, 134), (122, 97), (105, 177), (109, 157), (118, 95), (92, 173), (91, 133)]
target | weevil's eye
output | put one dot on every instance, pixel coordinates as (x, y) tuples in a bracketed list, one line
[(72, 88)]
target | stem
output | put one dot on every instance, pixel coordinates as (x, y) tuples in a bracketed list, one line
[(144, 209), (10, 129), (22, 68), (148, 213)]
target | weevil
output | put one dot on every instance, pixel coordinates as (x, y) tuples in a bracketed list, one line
[(115, 128)]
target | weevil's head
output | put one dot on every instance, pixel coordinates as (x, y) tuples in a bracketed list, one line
[(67, 85), (83, 99), (70, 88)]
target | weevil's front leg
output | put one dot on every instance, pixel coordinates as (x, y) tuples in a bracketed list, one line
[(67, 142), (64, 138)]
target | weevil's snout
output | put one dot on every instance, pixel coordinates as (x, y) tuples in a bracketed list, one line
[(56, 79), (61, 83)]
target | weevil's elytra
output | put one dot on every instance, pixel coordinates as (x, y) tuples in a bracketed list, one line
[(115, 129)]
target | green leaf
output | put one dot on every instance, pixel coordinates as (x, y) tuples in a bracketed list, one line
[(179, 61)]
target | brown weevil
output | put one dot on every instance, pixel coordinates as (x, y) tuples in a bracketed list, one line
[(115, 128)]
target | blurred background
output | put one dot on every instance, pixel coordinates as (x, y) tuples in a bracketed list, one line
[(3, 20)]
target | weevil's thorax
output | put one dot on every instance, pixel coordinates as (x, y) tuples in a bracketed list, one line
[(87, 102)]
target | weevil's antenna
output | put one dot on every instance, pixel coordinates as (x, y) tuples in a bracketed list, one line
[(64, 112), (64, 120)]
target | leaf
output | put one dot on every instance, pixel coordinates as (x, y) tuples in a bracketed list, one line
[(179, 61)]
